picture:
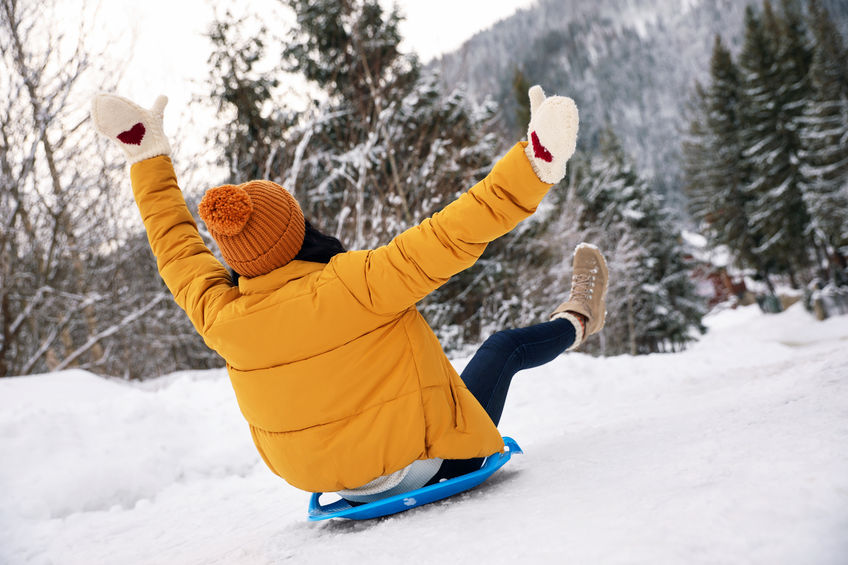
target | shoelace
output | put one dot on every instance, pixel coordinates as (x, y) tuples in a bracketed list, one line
[(583, 286)]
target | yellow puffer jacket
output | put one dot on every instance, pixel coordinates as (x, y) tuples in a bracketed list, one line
[(338, 375)]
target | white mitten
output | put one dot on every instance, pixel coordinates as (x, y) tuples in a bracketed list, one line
[(552, 134), (136, 130)]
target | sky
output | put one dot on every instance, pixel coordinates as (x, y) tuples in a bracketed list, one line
[(169, 50), (162, 49), (429, 32)]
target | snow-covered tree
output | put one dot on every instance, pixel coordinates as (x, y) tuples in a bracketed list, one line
[(698, 154), (387, 147), (771, 110), (824, 136), (717, 170), (254, 126)]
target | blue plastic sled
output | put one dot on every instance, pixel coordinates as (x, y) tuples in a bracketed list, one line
[(405, 501)]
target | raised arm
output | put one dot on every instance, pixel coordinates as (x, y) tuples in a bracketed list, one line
[(199, 283), (416, 262)]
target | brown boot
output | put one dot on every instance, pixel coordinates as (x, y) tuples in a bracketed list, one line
[(588, 290)]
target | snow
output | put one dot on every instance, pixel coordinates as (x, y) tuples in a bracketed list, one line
[(734, 451)]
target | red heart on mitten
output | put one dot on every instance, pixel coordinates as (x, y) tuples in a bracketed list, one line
[(539, 150), (134, 135)]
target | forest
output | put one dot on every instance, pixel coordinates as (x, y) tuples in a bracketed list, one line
[(748, 148)]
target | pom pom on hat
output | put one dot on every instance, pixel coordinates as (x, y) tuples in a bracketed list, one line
[(258, 225), (226, 209)]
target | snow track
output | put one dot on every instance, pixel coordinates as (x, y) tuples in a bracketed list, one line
[(735, 451)]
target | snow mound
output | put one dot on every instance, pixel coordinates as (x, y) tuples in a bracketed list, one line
[(735, 451), (80, 443)]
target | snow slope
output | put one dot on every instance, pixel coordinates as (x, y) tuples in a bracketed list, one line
[(735, 451)]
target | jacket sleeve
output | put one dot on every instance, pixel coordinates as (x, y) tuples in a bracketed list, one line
[(199, 282), (397, 275)]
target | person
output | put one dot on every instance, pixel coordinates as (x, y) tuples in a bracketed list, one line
[(344, 385)]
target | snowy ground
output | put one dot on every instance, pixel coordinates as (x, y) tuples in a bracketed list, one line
[(735, 451)]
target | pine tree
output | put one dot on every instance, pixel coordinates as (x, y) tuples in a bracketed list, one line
[(769, 137), (350, 50), (829, 47), (824, 135), (387, 148), (254, 127), (729, 172), (794, 52), (716, 169)]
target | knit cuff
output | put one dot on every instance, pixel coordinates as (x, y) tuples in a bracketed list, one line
[(578, 328), (161, 147)]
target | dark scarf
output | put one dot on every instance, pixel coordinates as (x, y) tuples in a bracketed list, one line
[(317, 247)]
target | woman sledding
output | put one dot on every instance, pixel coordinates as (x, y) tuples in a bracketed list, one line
[(344, 385)]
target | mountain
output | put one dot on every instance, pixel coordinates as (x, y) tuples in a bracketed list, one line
[(630, 64)]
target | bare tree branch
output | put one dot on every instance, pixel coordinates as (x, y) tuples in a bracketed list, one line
[(93, 340)]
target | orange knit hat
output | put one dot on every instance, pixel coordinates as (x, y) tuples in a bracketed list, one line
[(258, 225)]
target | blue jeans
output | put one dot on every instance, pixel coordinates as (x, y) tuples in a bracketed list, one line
[(489, 373)]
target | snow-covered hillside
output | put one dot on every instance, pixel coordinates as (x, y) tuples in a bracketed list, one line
[(735, 451), (629, 64)]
